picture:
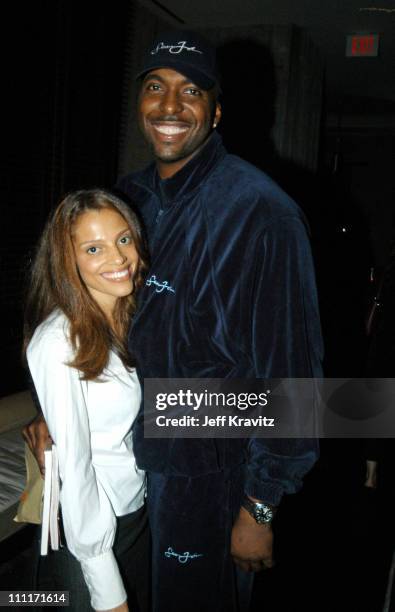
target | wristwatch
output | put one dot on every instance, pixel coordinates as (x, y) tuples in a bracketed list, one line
[(262, 513)]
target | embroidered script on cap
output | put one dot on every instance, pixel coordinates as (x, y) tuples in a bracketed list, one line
[(175, 49)]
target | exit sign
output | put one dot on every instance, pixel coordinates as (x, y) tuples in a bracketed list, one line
[(362, 45)]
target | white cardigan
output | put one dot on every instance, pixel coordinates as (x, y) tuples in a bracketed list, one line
[(90, 423)]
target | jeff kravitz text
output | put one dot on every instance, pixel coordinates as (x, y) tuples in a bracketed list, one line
[(218, 421)]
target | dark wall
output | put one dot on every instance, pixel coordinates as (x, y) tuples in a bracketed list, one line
[(62, 88)]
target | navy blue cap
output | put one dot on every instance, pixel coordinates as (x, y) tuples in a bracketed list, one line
[(187, 53)]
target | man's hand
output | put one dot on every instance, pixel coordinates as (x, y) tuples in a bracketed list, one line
[(251, 544), (37, 437)]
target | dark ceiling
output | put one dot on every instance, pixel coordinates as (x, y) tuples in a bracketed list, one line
[(327, 22)]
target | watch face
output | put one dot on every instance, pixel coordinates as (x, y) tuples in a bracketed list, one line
[(263, 514)]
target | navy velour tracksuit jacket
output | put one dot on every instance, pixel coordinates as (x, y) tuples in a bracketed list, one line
[(230, 294)]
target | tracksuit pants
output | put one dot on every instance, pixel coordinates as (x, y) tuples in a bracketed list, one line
[(191, 521)]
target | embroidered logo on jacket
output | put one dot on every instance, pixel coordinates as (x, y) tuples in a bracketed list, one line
[(159, 287), (181, 557)]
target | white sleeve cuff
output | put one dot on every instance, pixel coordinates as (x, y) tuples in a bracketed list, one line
[(104, 581)]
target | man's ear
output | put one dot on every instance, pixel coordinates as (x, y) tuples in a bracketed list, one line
[(217, 114)]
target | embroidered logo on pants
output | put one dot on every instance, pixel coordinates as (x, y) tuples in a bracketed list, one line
[(181, 557)]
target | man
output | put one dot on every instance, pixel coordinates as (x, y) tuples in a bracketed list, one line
[(230, 294)]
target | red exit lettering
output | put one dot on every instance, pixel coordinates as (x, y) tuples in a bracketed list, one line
[(359, 45)]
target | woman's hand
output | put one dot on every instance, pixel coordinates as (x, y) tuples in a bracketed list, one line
[(37, 436), (371, 474), (122, 608)]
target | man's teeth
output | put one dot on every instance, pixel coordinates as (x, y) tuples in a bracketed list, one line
[(115, 275), (170, 130)]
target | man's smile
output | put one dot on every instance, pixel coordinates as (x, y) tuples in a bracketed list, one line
[(170, 128), (169, 132)]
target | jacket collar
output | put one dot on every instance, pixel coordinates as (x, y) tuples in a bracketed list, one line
[(186, 180)]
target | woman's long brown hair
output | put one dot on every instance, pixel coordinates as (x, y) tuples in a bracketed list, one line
[(55, 283)]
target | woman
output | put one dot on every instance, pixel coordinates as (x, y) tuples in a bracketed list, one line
[(90, 262)]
